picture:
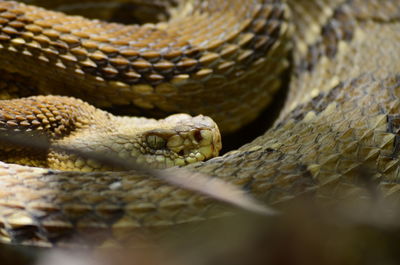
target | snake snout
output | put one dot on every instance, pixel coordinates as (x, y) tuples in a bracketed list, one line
[(186, 140)]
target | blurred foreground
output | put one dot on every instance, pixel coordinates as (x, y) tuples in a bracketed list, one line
[(356, 232)]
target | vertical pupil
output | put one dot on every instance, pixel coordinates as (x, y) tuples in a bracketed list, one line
[(155, 141)]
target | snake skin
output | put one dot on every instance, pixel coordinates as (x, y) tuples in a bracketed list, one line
[(162, 68), (341, 118)]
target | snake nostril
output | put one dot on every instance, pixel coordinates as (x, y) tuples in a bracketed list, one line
[(181, 153)]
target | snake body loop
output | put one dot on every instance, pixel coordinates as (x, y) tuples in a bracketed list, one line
[(162, 68), (220, 58)]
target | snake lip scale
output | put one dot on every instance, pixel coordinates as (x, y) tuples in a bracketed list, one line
[(222, 58)]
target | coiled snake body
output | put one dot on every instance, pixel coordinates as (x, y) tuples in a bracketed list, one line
[(341, 114)]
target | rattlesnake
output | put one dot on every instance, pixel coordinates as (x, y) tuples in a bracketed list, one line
[(221, 58)]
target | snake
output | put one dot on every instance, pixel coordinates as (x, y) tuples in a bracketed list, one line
[(226, 59)]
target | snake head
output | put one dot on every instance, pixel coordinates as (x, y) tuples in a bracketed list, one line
[(178, 140)]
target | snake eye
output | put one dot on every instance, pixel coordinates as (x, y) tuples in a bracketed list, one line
[(156, 142)]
